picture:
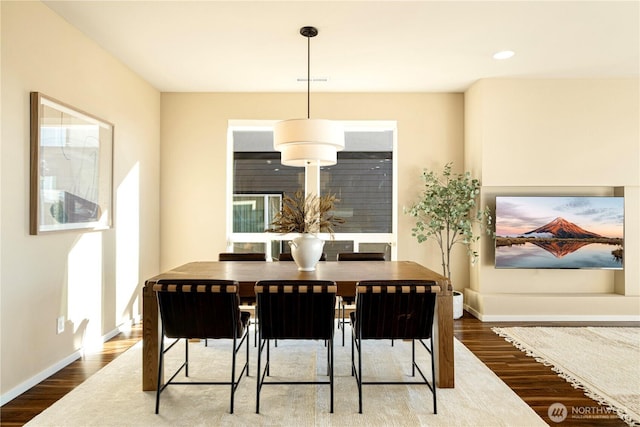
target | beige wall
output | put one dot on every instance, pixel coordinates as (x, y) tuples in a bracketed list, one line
[(580, 132), (43, 277), (194, 158), (556, 137)]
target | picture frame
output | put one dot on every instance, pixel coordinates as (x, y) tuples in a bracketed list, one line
[(71, 168)]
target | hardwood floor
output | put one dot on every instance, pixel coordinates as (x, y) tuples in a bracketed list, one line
[(535, 383)]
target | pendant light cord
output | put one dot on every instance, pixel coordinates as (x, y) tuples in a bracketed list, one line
[(309, 32), (308, 77)]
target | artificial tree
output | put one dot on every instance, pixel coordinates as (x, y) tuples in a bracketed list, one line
[(447, 212)]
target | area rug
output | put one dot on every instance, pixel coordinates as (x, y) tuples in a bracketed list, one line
[(113, 396), (602, 361)]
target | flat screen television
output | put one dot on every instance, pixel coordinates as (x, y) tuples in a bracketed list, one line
[(559, 232)]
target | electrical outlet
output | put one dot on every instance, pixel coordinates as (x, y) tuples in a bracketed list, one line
[(60, 324)]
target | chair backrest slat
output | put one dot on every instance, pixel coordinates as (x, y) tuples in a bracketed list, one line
[(296, 309), (361, 256), (233, 256), (401, 309), (199, 308), (287, 256)]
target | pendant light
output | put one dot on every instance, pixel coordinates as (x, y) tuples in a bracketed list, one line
[(304, 142)]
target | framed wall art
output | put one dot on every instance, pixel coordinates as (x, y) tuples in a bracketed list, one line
[(559, 232), (71, 168)]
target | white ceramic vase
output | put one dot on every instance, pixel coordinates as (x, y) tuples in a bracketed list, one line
[(306, 251)]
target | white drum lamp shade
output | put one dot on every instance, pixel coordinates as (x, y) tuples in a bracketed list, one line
[(306, 141)]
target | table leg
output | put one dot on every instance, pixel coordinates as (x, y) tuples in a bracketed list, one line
[(443, 334), (150, 339)]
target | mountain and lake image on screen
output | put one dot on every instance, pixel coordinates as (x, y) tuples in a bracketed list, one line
[(559, 232)]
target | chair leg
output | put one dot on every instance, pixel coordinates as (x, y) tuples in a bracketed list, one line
[(160, 363), (433, 378), (413, 358), (359, 374), (343, 321), (328, 357), (233, 373), (353, 369), (247, 359), (255, 325), (186, 357), (259, 377), (255, 329), (268, 365), (331, 372)]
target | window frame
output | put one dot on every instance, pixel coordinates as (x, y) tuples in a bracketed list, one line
[(267, 238)]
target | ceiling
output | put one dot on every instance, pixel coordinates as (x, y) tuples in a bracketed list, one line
[(362, 46)]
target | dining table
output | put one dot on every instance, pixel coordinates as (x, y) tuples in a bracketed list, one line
[(345, 274)]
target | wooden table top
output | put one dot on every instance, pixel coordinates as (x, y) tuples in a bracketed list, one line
[(346, 273)]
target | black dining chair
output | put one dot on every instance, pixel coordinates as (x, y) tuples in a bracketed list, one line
[(401, 310), (295, 310), (346, 303), (203, 309)]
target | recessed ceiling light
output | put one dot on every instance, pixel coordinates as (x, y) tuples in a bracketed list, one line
[(503, 54)]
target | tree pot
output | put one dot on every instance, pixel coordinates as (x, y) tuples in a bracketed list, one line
[(458, 304)]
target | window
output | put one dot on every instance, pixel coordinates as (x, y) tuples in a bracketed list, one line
[(252, 213), (363, 180)]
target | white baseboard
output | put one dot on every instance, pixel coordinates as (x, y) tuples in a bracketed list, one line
[(473, 312), (560, 318), (116, 331), (43, 375), (551, 317)]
